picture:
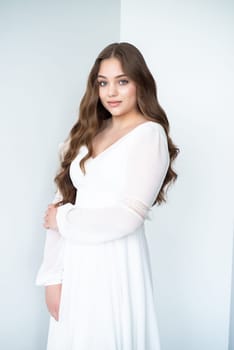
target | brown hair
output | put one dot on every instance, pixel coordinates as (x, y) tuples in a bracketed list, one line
[(92, 115)]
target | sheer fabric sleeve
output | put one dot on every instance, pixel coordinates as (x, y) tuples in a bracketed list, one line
[(51, 269), (146, 166)]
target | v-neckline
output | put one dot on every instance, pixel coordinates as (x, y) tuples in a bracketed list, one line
[(119, 140)]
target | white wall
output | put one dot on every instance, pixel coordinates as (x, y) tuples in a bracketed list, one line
[(187, 45), (46, 51)]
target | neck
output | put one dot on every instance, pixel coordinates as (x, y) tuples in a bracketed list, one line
[(120, 122)]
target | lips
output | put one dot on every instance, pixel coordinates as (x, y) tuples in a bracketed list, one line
[(113, 103)]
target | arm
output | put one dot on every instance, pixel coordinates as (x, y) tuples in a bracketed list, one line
[(51, 269), (146, 167)]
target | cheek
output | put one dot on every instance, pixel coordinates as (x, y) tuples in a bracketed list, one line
[(131, 93)]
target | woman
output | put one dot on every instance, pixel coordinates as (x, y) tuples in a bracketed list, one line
[(115, 165)]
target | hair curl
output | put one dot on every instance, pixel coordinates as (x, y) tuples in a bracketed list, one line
[(92, 115)]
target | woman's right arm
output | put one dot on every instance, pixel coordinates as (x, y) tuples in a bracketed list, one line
[(50, 273), (51, 269)]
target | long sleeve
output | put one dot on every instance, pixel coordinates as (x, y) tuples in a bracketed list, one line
[(146, 166), (51, 269)]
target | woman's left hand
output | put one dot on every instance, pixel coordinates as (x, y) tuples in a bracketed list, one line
[(50, 221)]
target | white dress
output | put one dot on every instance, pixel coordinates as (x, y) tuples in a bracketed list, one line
[(100, 254)]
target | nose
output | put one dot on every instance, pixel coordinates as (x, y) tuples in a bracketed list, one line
[(112, 91)]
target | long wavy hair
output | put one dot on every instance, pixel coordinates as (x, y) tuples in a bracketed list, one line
[(92, 115)]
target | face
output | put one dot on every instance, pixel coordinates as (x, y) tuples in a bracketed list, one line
[(116, 90)]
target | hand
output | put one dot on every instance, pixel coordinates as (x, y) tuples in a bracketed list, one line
[(53, 296), (50, 221)]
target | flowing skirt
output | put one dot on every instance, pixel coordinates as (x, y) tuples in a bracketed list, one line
[(107, 299)]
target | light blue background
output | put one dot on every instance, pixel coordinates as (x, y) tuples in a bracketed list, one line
[(46, 51)]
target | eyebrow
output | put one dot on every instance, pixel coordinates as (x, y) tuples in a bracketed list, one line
[(118, 76)]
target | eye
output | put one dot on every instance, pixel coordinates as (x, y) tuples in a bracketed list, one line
[(123, 82), (102, 83)]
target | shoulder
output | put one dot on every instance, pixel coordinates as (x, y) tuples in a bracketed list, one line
[(146, 139), (155, 126), (150, 130)]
